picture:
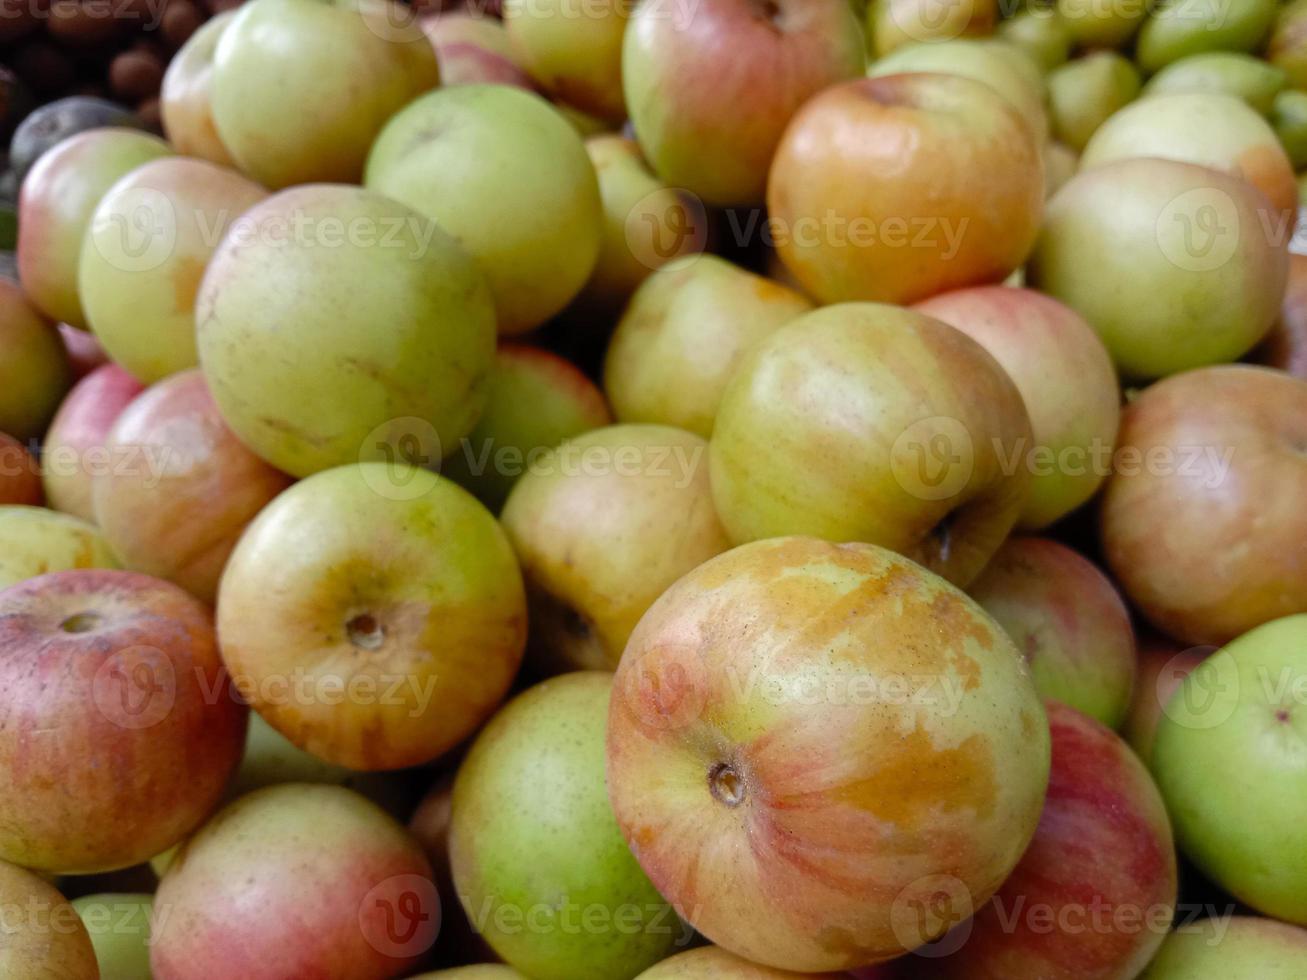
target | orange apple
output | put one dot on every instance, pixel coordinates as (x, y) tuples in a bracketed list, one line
[(186, 97)]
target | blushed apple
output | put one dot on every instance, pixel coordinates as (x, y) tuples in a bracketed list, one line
[(186, 96), (683, 334), (34, 541), (1285, 346), (837, 733), (896, 188), (892, 24), (472, 47), (336, 325), (44, 938), (1238, 946), (574, 51), (373, 614), (1039, 31), (55, 205), (1199, 517), (1186, 27), (602, 525), (34, 372), (711, 123), (1084, 93), (1224, 73), (119, 926), (20, 474), (1163, 666), (124, 670), (510, 180), (715, 963)]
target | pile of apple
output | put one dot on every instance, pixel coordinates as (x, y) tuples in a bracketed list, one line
[(726, 489)]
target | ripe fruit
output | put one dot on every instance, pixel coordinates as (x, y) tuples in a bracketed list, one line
[(575, 55), (119, 926), (715, 963), (1240, 946), (20, 474), (1163, 666), (34, 372), (34, 541), (186, 98), (44, 939)]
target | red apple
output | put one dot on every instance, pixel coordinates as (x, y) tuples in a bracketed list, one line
[(1285, 347), (118, 728), (1163, 666), (20, 474)]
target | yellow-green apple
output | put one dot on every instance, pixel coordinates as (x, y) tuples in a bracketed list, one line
[(891, 24), (899, 187), (1083, 93), (715, 963), (296, 881), (683, 334), (1060, 165), (1188, 266), (837, 735), (509, 178), (43, 937), (1225, 73), (1163, 666), (1287, 47), (865, 422), (124, 670), (144, 255), (1039, 31), (585, 910), (1285, 346), (573, 49), (301, 88), (373, 614), (55, 205), (1068, 621), (84, 352), (710, 123), (179, 518), (337, 325), (479, 971), (34, 372), (1239, 946), (1180, 28), (537, 399), (1096, 24), (1200, 516), (473, 47), (1212, 130), (34, 541), (119, 926), (646, 223), (20, 474), (1066, 380), (1094, 894), (73, 453), (1289, 119), (602, 525), (186, 95), (1228, 758)]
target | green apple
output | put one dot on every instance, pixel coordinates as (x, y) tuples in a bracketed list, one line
[(1184, 273), (683, 334), (119, 926), (34, 370), (1287, 48), (1229, 760), (1099, 24), (1179, 28), (336, 325), (574, 51), (34, 541), (301, 88), (537, 399), (505, 174), (891, 24), (602, 525), (539, 864), (1224, 72), (144, 255), (1041, 33), (58, 197), (1083, 93), (481, 971), (715, 963), (186, 96), (1238, 947), (43, 938), (1060, 165), (1289, 117)]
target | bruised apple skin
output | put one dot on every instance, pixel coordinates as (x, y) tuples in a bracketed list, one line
[(50, 943), (835, 733), (715, 963), (118, 729)]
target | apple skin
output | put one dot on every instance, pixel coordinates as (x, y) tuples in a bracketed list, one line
[(1228, 759), (537, 400), (1069, 622), (1094, 24), (480, 971), (20, 474), (47, 943), (1203, 550), (919, 183), (602, 525), (558, 824), (798, 817), (1066, 380), (1084, 93), (144, 255), (1251, 948), (301, 88), (1163, 292), (55, 205), (179, 519), (1163, 666), (296, 881), (73, 450), (1175, 30), (893, 24), (473, 48), (186, 96), (119, 926), (527, 205), (360, 598), (1103, 849), (871, 423), (711, 123), (715, 963), (1225, 73), (84, 352), (289, 341), (34, 374), (135, 768), (574, 53), (1041, 34), (684, 332), (1285, 347), (34, 541), (1211, 130)]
